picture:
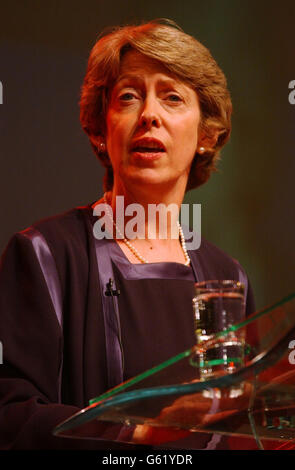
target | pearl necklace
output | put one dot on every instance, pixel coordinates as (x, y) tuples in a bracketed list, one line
[(134, 250)]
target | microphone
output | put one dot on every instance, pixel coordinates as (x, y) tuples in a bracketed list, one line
[(110, 291)]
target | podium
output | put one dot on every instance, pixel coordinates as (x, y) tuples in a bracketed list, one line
[(253, 407)]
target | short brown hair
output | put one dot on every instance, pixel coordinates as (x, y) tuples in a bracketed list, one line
[(182, 55)]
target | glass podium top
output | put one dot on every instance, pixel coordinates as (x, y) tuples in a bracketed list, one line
[(174, 399)]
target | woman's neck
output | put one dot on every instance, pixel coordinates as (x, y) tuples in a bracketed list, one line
[(149, 223), (156, 213)]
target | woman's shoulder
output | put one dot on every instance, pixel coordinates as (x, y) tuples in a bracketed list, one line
[(207, 248), (64, 235), (72, 222), (216, 262)]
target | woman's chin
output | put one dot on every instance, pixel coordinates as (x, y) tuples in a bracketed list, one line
[(147, 177)]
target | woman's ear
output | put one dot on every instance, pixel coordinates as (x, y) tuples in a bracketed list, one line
[(98, 141), (207, 140)]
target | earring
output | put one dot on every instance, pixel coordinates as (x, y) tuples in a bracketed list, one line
[(101, 147), (201, 149)]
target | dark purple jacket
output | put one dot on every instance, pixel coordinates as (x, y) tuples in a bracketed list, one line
[(52, 327)]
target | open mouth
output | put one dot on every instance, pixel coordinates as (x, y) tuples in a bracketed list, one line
[(147, 149), (148, 145)]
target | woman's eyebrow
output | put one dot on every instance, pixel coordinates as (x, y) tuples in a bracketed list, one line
[(135, 78), (169, 82), (128, 76)]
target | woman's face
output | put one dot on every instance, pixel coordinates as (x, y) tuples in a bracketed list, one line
[(152, 124)]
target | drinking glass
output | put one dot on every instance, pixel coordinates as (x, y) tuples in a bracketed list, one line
[(218, 305)]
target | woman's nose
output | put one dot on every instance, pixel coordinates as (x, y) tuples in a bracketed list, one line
[(150, 116)]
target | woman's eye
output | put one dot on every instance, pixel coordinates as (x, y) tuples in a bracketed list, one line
[(174, 98), (127, 96)]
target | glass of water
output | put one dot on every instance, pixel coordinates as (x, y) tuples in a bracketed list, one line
[(218, 305)]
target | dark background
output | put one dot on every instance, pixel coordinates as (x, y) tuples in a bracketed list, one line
[(47, 165)]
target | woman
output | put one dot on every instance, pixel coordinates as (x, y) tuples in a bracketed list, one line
[(157, 111)]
